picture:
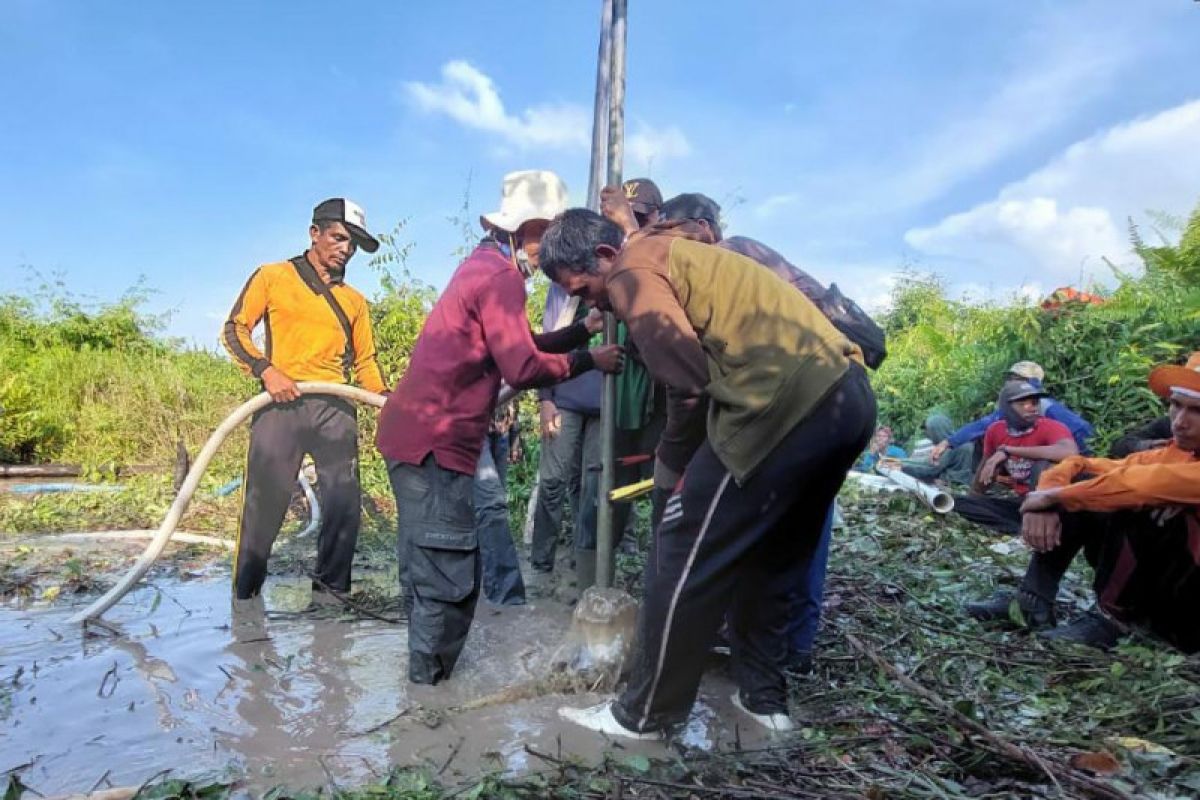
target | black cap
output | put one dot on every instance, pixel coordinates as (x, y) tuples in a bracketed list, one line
[(1020, 390), (643, 195), (350, 214)]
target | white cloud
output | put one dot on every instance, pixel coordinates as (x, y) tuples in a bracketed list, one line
[(470, 97), (1059, 222), (650, 146)]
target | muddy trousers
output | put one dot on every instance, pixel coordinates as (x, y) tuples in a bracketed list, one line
[(1145, 572), (438, 553), (725, 550), (280, 435)]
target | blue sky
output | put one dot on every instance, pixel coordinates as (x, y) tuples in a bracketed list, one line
[(1002, 145)]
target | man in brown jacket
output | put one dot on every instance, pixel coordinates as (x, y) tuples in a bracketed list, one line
[(789, 409)]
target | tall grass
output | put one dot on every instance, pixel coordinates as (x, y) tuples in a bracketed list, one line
[(99, 387)]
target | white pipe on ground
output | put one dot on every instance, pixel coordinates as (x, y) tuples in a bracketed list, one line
[(938, 499), (190, 484)]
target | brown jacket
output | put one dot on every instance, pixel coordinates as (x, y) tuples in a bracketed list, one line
[(710, 322)]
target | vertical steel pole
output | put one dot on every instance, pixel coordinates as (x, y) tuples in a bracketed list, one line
[(608, 400), (600, 116)]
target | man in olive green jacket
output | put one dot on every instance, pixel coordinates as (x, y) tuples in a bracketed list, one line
[(789, 409)]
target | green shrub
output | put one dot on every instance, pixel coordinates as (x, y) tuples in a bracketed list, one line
[(951, 354)]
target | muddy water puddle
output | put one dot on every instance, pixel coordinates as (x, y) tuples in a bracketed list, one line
[(281, 696)]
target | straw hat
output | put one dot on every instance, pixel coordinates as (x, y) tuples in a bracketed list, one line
[(527, 195), (1171, 376)]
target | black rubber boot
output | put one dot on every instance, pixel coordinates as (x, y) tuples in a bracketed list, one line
[(1094, 629), (1037, 611)]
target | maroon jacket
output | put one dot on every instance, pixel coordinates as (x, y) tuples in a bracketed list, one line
[(476, 334)]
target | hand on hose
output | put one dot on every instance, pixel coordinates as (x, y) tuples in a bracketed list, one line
[(608, 357), (281, 388)]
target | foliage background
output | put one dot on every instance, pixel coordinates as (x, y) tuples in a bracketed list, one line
[(951, 355), (97, 383)]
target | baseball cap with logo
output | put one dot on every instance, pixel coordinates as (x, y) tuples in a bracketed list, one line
[(643, 195), (1029, 370), (350, 214)]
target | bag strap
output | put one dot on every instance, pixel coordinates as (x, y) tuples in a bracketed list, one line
[(323, 289)]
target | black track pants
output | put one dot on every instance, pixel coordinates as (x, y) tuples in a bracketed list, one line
[(724, 548), (280, 435)]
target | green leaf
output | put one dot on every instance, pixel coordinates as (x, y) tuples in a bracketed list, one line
[(637, 763)]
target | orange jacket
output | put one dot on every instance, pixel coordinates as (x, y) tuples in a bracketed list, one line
[(304, 339), (1162, 477)]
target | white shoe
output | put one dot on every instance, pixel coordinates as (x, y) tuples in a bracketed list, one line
[(777, 722), (600, 718)]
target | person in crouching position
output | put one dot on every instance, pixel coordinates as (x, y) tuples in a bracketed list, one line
[(789, 409)]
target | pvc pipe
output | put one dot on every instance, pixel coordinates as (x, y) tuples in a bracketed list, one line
[(169, 523), (179, 536), (937, 499), (53, 488)]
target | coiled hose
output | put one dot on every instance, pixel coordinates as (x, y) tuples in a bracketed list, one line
[(192, 481)]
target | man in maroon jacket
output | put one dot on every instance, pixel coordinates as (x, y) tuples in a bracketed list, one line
[(432, 428)]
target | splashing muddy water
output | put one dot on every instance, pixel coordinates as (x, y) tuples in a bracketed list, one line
[(278, 696)]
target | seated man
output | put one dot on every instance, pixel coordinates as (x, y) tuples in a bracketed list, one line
[(1014, 449), (1137, 521), (881, 447), (1029, 371), (953, 467)]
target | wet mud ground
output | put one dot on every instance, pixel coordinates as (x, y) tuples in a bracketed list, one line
[(281, 694)]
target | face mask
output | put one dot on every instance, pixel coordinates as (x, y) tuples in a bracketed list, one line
[(521, 258)]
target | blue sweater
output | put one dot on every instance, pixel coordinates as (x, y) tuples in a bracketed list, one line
[(1080, 429), (581, 394)]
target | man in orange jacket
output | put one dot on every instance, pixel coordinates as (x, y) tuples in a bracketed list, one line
[(1138, 522)]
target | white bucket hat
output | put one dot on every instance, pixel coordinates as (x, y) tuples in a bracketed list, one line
[(529, 194)]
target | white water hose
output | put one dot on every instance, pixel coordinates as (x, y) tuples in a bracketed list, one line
[(169, 523)]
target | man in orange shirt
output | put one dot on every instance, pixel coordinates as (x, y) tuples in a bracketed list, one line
[(318, 328), (1137, 521)]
